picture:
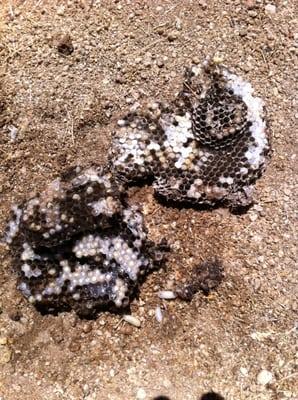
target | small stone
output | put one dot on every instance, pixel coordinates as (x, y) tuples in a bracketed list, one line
[(158, 314), (60, 10), (160, 30), (167, 383), (252, 13), (167, 295), (3, 341), (132, 320), (160, 63), (178, 24), (86, 390), (5, 352), (250, 4), (243, 371), (74, 347), (243, 32), (57, 336), (147, 62), (253, 217), (173, 36), (270, 9), (87, 328), (203, 4), (64, 45), (264, 377), (141, 394), (126, 330), (288, 395), (120, 79), (15, 315)]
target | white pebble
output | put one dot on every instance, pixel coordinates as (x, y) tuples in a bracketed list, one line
[(270, 9), (121, 122), (158, 314), (132, 320), (61, 10), (13, 131), (244, 371), (167, 295), (141, 394), (264, 377)]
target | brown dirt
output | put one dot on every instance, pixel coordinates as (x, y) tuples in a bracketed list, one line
[(68, 71)]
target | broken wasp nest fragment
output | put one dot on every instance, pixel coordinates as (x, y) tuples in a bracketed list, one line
[(209, 145), (79, 245)]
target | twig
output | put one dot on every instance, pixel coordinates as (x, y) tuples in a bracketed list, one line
[(288, 376), (11, 10), (152, 44), (265, 59)]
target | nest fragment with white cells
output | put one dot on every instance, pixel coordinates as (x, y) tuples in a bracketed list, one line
[(79, 245), (209, 145)]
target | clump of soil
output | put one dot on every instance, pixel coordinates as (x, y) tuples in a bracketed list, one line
[(205, 277)]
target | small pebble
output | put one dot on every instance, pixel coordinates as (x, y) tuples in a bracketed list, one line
[(64, 45), (120, 79), (172, 36), (86, 390), (252, 13), (243, 371), (15, 316), (167, 295), (3, 341), (132, 320), (250, 4), (158, 314), (141, 394), (74, 347), (87, 328), (160, 63), (5, 352), (270, 9), (253, 217), (242, 32), (60, 10), (203, 4), (264, 377), (178, 24), (13, 131)]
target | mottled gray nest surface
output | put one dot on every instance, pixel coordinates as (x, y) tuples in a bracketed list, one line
[(79, 245), (209, 145)]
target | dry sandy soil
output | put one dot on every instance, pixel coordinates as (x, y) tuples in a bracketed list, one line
[(68, 71)]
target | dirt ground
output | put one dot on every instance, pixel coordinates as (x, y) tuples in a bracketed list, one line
[(68, 71)]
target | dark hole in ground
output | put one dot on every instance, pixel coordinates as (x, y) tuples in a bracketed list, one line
[(211, 396), (161, 398)]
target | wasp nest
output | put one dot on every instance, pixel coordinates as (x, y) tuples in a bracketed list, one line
[(78, 245), (210, 145)]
